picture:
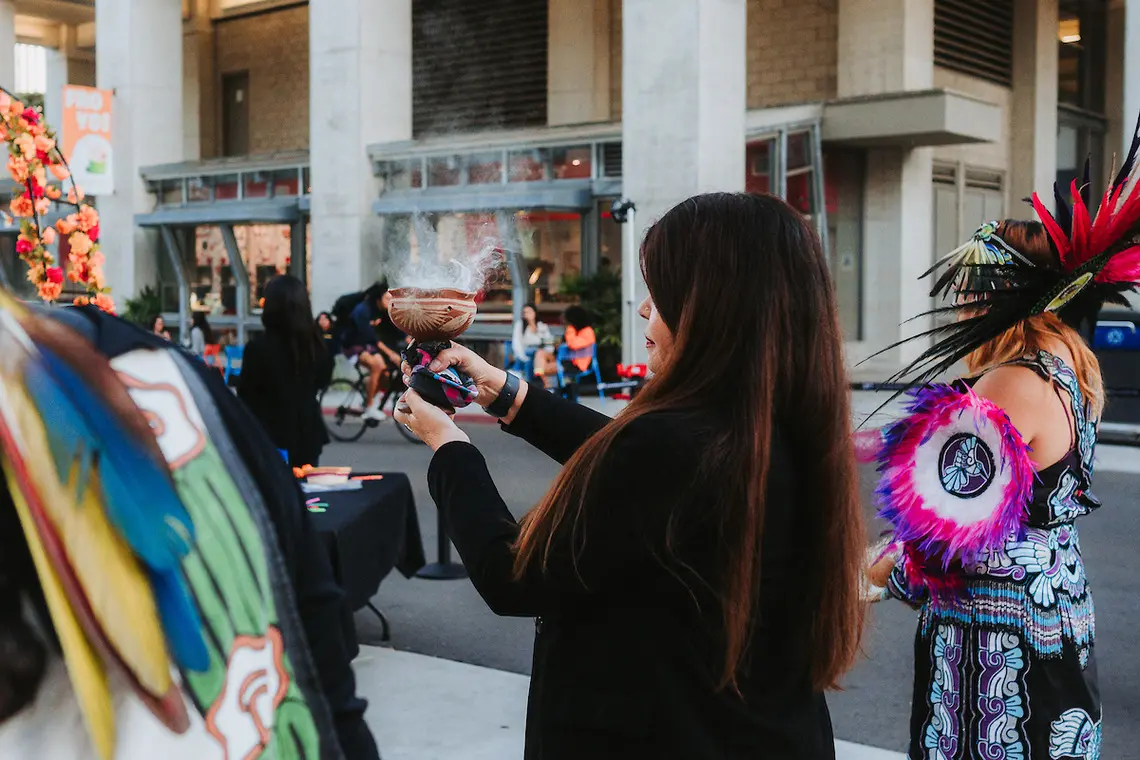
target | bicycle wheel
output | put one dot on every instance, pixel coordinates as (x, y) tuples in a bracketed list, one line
[(342, 406)]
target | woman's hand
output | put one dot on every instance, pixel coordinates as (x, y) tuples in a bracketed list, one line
[(431, 424), (489, 380)]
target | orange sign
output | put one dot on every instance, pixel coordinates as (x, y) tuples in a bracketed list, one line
[(86, 138)]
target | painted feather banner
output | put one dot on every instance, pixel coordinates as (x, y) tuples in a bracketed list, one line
[(955, 479)]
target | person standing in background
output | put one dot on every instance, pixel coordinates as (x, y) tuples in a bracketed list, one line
[(284, 368), (201, 335), (158, 327)]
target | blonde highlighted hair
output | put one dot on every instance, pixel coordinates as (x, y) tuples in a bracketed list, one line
[(1041, 331)]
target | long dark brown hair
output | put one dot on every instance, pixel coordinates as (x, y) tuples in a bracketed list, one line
[(288, 315), (742, 283)]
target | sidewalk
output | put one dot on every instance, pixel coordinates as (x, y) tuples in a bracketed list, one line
[(426, 708)]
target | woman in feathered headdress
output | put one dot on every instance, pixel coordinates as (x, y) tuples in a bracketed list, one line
[(984, 478)]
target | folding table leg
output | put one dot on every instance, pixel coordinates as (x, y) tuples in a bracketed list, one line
[(385, 629)]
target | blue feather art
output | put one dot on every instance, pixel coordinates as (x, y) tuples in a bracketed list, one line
[(85, 437)]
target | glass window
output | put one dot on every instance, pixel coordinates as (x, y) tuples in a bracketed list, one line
[(485, 169), (761, 166), (225, 187), (799, 151), (212, 284), (402, 175), (170, 192), (573, 163), (843, 192), (444, 172), (528, 165), (266, 250), (198, 189), (13, 270), (551, 246), (307, 180), (256, 185), (286, 182), (1081, 38)]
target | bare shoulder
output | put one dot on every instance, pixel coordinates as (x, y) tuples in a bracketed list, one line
[(1020, 392)]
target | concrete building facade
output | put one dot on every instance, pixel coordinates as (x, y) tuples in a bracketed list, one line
[(335, 137)]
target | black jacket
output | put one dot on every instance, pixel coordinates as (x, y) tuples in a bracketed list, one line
[(628, 646), (283, 396)]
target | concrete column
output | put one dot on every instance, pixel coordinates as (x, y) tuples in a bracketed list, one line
[(1033, 128), (683, 103), (360, 63), (1130, 64), (139, 58), (57, 78), (7, 45), (578, 62), (200, 133), (888, 46)]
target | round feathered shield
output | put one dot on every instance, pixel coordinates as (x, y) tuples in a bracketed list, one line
[(956, 477)]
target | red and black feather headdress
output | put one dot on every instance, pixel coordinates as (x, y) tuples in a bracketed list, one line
[(1095, 260)]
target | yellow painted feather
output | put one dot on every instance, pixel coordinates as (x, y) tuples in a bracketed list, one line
[(88, 676), (108, 572)]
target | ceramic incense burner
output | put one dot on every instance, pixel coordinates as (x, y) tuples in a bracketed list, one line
[(434, 317)]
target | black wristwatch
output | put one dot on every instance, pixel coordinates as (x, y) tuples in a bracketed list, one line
[(502, 404)]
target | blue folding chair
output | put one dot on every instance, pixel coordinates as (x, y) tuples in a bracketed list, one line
[(566, 355), (233, 362)]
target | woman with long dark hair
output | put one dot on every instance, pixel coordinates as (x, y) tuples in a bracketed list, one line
[(284, 368), (695, 568)]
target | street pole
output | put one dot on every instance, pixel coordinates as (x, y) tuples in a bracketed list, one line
[(625, 212)]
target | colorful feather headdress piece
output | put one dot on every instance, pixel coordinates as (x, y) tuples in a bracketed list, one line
[(1095, 260)]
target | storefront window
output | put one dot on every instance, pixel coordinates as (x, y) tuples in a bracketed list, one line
[(573, 163), (13, 270), (198, 189), (256, 185), (485, 169), (761, 166), (444, 172), (528, 165), (266, 251), (170, 192), (225, 187), (403, 175), (551, 246), (286, 182), (1081, 40)]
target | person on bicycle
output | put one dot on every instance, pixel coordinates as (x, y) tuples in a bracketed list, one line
[(376, 341)]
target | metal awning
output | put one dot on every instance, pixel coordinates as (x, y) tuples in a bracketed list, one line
[(251, 211), (530, 195)]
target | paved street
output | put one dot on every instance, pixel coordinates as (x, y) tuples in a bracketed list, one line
[(447, 619)]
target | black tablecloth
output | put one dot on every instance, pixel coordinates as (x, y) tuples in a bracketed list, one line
[(369, 532)]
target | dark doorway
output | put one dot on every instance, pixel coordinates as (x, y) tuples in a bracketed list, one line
[(235, 114)]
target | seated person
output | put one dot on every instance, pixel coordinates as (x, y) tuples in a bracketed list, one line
[(579, 335), (376, 341), (532, 341)]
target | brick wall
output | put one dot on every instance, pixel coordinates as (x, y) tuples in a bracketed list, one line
[(274, 49), (792, 51), (615, 60)]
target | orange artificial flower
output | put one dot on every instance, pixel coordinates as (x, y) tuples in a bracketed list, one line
[(88, 218), (48, 236), (80, 243), (18, 168), (21, 205), (44, 143), (67, 225), (105, 302), (59, 171), (53, 192), (50, 291), (75, 194), (39, 174), (43, 206), (26, 145)]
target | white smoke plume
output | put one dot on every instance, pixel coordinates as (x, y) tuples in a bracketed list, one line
[(456, 263)]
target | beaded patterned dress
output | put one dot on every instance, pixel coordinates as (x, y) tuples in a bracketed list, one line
[(1008, 670)]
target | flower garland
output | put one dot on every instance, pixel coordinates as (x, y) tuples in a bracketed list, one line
[(32, 154)]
